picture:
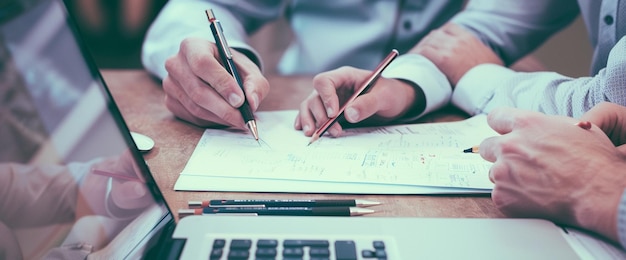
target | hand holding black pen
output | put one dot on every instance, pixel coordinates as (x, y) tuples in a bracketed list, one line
[(229, 65)]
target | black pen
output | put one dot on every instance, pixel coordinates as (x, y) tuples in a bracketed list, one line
[(369, 82), (278, 211), (282, 203), (229, 64)]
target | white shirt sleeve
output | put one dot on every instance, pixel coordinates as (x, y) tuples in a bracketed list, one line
[(424, 74), (488, 86), (180, 19)]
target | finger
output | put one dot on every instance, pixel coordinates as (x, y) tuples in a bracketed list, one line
[(488, 149), (504, 119), (387, 100), (196, 97), (181, 112), (363, 107), (202, 57), (335, 130), (297, 124), (306, 115), (336, 84), (498, 172), (317, 111), (255, 84), (130, 195), (609, 117), (189, 111), (375, 101), (196, 102)]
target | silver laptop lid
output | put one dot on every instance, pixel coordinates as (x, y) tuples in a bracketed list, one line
[(72, 182)]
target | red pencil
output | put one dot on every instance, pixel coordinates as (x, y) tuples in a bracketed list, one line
[(115, 175), (363, 89)]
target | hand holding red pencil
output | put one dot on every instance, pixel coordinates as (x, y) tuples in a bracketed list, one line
[(116, 187), (351, 94)]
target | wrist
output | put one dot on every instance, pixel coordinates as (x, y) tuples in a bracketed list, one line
[(415, 100), (597, 210)]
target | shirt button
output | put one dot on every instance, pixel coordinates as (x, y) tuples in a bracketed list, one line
[(407, 25), (608, 20)]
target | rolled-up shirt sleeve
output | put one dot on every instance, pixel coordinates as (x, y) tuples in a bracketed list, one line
[(513, 29)]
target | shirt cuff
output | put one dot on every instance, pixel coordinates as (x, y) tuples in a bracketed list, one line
[(159, 53), (473, 92), (425, 75), (250, 52)]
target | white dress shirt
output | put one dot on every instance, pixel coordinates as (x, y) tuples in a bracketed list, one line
[(327, 35)]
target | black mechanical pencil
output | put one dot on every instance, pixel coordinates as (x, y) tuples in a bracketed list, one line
[(229, 64)]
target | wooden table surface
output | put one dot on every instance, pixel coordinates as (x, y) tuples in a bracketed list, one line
[(140, 99)]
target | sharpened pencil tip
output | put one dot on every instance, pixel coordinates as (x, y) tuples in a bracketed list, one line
[(366, 203), (313, 139), (471, 150), (354, 211)]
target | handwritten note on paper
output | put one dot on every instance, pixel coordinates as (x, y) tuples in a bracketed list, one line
[(419, 154)]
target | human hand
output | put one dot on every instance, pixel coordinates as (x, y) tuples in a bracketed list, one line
[(116, 188), (388, 99), (199, 90), (547, 167), (455, 51), (610, 118)]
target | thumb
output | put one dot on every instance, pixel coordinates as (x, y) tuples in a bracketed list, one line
[(130, 195), (622, 149)]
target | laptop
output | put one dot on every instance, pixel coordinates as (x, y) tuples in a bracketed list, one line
[(74, 185)]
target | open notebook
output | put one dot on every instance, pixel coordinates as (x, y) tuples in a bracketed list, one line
[(63, 138)]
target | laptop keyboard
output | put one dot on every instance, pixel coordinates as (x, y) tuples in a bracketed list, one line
[(290, 248)]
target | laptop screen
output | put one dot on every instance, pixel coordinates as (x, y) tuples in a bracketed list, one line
[(72, 182)]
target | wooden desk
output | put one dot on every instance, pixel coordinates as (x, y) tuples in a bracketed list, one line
[(140, 99)]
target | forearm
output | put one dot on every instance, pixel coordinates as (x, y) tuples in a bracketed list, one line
[(515, 28)]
